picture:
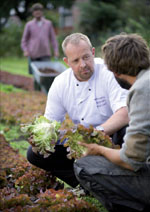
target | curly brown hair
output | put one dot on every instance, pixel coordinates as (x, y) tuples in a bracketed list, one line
[(126, 54)]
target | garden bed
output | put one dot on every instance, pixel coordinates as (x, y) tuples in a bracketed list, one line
[(18, 81), (24, 187)]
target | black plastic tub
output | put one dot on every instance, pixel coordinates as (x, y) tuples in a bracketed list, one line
[(43, 81)]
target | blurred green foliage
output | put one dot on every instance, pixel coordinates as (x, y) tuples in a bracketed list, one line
[(105, 18), (15, 65), (9, 88), (22, 8), (53, 16), (98, 19), (14, 136), (11, 35), (10, 38)]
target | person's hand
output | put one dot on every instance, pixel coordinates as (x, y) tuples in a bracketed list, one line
[(92, 149), (26, 54), (30, 139)]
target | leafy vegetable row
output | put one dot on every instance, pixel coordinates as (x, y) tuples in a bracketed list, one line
[(44, 135)]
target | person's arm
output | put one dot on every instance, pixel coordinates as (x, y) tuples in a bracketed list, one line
[(24, 41), (54, 42), (118, 120), (112, 155), (117, 98)]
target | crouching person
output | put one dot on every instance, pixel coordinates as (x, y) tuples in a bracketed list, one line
[(120, 178)]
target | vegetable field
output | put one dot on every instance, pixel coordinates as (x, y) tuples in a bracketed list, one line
[(24, 187)]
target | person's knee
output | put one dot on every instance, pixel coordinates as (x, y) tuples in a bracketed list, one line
[(80, 169), (76, 170), (30, 154)]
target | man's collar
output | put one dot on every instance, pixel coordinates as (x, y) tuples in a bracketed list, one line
[(42, 19)]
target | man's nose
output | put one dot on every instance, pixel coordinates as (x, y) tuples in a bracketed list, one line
[(82, 63)]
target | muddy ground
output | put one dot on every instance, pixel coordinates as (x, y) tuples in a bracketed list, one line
[(18, 81)]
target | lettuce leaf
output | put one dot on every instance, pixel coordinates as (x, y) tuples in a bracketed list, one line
[(43, 135)]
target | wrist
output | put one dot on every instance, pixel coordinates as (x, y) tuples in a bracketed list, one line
[(100, 128)]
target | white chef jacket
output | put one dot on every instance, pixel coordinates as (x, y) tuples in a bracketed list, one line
[(91, 102)]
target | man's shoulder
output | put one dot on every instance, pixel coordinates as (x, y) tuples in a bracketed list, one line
[(31, 21), (145, 76), (65, 75), (64, 80), (100, 64), (98, 60), (143, 80), (101, 68), (47, 21)]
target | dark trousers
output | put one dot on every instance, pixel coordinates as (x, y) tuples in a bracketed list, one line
[(58, 163), (118, 189)]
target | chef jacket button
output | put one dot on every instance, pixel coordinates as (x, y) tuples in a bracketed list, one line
[(89, 89), (77, 84), (82, 119)]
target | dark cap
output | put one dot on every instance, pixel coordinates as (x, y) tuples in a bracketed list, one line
[(36, 6)]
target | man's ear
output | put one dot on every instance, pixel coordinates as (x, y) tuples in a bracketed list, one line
[(93, 51), (65, 59)]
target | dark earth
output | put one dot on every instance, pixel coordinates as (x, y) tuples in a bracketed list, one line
[(26, 83)]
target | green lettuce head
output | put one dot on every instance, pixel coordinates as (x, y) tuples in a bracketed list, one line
[(44, 135)]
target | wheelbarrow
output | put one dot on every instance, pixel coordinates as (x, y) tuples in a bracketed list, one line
[(44, 73)]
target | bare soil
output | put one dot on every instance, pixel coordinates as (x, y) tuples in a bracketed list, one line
[(26, 83)]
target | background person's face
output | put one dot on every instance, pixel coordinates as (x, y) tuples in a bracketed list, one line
[(81, 59), (37, 14)]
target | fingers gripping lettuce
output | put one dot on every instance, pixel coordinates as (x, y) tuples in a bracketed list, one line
[(86, 135), (43, 135)]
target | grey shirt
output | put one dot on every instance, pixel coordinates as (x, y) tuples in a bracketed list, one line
[(136, 148)]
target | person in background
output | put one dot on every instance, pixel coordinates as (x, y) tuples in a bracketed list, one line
[(38, 37), (120, 178), (89, 94)]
